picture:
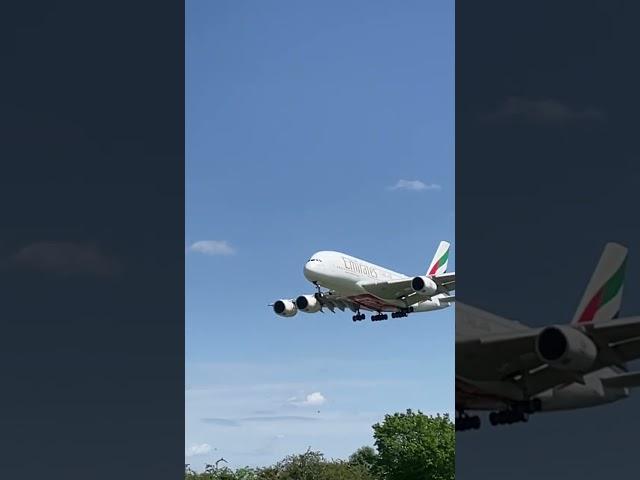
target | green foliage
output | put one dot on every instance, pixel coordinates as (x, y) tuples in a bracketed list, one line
[(410, 446), (313, 466), (416, 446), (307, 466), (367, 458)]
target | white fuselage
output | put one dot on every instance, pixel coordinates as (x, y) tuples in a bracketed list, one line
[(343, 273), (478, 395)]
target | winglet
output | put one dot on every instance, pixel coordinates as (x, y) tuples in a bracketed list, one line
[(439, 263), (603, 297)]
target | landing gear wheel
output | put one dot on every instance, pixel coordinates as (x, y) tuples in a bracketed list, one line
[(465, 422), (508, 417), (493, 418)]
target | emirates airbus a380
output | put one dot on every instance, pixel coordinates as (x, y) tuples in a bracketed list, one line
[(358, 285)]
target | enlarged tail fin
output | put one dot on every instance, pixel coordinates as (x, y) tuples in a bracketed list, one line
[(439, 263), (603, 297)]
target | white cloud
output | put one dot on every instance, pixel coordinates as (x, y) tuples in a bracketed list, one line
[(195, 450), (414, 185), (212, 247), (314, 399)]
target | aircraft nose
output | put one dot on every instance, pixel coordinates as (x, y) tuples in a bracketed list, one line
[(310, 271)]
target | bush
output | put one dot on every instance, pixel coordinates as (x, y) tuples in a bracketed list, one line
[(410, 446)]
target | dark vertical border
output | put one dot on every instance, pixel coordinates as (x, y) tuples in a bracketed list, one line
[(91, 240), (547, 173)]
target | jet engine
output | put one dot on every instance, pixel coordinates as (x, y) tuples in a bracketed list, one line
[(308, 303), (424, 285), (285, 308), (566, 348)]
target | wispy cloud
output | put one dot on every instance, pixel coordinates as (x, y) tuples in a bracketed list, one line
[(542, 111), (222, 422), (195, 450), (231, 422), (414, 185), (212, 247), (279, 418), (67, 258)]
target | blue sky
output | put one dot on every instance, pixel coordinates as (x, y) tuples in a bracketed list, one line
[(301, 118)]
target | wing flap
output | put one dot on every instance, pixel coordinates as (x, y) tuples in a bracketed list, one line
[(446, 281), (623, 329), (624, 380), (498, 356), (391, 289)]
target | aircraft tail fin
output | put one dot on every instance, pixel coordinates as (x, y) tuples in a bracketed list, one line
[(602, 299), (439, 263)]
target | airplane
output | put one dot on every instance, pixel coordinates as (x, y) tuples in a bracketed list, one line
[(357, 285), (513, 371)]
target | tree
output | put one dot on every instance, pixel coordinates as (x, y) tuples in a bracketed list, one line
[(416, 446), (367, 458)]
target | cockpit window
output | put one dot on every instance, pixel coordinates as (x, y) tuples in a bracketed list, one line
[(315, 260)]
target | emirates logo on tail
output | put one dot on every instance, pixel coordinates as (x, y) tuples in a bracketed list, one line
[(602, 298), (607, 292)]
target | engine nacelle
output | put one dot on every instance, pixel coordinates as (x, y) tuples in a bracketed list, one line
[(308, 303), (424, 285), (566, 348), (285, 308)]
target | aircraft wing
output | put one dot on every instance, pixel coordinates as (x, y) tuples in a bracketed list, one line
[(401, 288), (507, 355), (497, 356), (619, 339), (615, 331), (624, 380), (392, 289), (332, 301), (447, 281)]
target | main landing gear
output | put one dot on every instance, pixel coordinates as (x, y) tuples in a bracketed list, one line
[(380, 316), (507, 417), (519, 412), (466, 422)]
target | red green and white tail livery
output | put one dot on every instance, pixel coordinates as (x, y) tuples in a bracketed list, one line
[(603, 297), (358, 285), (439, 263)]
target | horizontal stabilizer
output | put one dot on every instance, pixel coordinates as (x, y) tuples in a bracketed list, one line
[(624, 380)]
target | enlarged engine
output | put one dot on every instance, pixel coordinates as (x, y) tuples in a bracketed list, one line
[(424, 285), (566, 348), (308, 303), (285, 308)]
